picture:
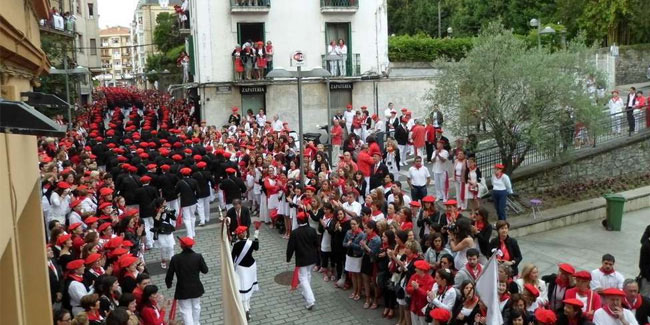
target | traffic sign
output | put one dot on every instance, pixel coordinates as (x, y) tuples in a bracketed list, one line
[(298, 57)]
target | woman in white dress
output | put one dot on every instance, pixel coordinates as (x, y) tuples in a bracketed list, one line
[(261, 174), (472, 180), (460, 240), (460, 165)]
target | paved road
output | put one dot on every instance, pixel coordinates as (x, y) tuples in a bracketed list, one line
[(582, 245)]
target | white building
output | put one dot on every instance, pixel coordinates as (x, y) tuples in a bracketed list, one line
[(308, 26)]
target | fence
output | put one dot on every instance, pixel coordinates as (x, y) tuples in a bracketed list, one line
[(250, 3), (352, 67), (611, 127), (340, 3)]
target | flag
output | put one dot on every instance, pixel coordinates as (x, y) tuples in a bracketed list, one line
[(295, 281), (179, 219), (172, 311), (233, 309), (487, 288)]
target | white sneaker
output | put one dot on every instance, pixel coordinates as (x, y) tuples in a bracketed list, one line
[(310, 306)]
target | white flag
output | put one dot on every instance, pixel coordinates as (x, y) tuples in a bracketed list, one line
[(487, 288), (233, 309)]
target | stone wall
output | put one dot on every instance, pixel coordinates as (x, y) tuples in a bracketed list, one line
[(632, 63), (632, 159)]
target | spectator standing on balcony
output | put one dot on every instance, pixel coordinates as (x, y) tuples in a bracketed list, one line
[(332, 60), (268, 49), (615, 108), (631, 102), (248, 58), (342, 51), (239, 65), (260, 60), (185, 17)]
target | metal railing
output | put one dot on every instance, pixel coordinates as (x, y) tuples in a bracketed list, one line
[(333, 64), (250, 4), (68, 27), (574, 138), (340, 3)]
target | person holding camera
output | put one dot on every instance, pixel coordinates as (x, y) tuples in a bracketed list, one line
[(163, 230)]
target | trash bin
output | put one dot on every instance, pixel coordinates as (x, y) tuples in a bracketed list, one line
[(615, 204)]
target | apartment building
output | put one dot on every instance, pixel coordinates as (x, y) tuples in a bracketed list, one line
[(116, 55)]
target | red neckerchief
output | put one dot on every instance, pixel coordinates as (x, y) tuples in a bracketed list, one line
[(389, 185), (637, 303), (384, 246), (505, 296), (561, 282), (356, 232), (94, 316), (473, 301), (376, 213), (606, 272), (609, 311), (371, 236), (480, 225), (76, 277), (451, 218), (98, 270), (474, 273), (442, 290), (130, 274)]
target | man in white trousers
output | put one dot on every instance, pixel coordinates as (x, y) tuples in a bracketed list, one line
[(187, 265), (304, 242), (188, 189), (440, 157)]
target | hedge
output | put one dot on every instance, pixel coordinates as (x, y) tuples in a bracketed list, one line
[(422, 48)]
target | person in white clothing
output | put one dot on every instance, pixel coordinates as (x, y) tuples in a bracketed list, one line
[(260, 118), (342, 51), (277, 123), (76, 288), (352, 208), (418, 180), (348, 116), (443, 293), (440, 181), (501, 188), (60, 202), (612, 312), (606, 277), (388, 110), (616, 107)]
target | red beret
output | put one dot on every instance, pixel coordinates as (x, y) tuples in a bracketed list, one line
[(177, 157), (188, 150), (573, 302), (63, 185), (104, 205), (451, 202), (188, 141), (151, 166), (165, 167), (613, 292), (133, 169), (440, 314), (429, 199), (240, 229), (235, 108), (196, 140), (567, 268), (127, 243), (415, 204), (422, 265), (145, 179), (63, 238), (230, 170), (348, 106), (144, 155), (90, 220), (92, 258), (499, 166), (105, 191), (196, 157), (186, 171), (582, 275), (532, 289), (114, 242), (545, 316), (227, 154), (74, 226), (310, 188), (74, 203), (118, 252), (103, 226), (127, 260), (302, 216), (201, 164), (186, 242), (73, 265)]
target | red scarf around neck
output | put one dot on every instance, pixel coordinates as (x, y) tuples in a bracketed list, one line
[(607, 272), (505, 296), (474, 273), (637, 303), (371, 236), (356, 232), (76, 277), (609, 311), (561, 282)]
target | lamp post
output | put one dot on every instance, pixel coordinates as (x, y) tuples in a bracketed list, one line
[(450, 31), (547, 30), (439, 22), (65, 72), (299, 74)]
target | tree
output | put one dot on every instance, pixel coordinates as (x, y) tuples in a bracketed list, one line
[(170, 43), (524, 94), (166, 35)]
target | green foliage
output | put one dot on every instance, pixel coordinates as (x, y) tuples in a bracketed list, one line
[(166, 36), (523, 93), (422, 48)]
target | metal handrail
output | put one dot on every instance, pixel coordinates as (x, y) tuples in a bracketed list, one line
[(582, 138), (353, 67), (250, 3), (340, 3)]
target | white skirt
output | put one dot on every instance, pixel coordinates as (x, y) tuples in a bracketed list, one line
[(247, 277), (165, 241), (353, 264), (273, 201)]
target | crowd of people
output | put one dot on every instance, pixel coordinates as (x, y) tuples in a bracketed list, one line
[(252, 60), (138, 166)]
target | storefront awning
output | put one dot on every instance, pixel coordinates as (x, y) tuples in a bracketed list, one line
[(20, 118)]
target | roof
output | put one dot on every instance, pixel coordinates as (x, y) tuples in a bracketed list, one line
[(116, 30)]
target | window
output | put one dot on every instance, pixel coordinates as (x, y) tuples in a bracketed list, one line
[(117, 62), (115, 40), (80, 44), (91, 12), (79, 7), (250, 32), (93, 46), (139, 20), (116, 52)]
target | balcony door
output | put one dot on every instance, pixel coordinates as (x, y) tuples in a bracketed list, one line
[(336, 32), (250, 32)]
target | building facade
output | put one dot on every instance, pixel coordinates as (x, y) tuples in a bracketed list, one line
[(22, 60), (116, 55), (307, 26), (87, 42), (142, 28)]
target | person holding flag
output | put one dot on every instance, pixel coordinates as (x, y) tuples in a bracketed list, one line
[(245, 265), (304, 242), (487, 288)]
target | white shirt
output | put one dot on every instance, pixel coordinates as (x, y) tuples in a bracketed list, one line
[(501, 183), (615, 105), (387, 113), (76, 290), (630, 102), (87, 205), (380, 126), (348, 116), (438, 165), (378, 217), (353, 207), (447, 300), (261, 120), (418, 176), (59, 207), (277, 125), (342, 50), (603, 281), (601, 317)]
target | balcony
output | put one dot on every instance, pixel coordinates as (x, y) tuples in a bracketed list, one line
[(333, 64), (58, 27), (339, 6), (250, 6)]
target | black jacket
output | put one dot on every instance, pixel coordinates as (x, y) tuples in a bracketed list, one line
[(401, 135), (304, 242), (145, 196), (188, 188), (513, 249), (377, 177), (551, 287), (338, 236), (126, 187), (245, 216), (186, 265), (483, 238), (233, 187), (247, 260), (204, 180), (56, 282), (644, 260), (167, 184)]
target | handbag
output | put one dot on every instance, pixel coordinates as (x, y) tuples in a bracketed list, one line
[(482, 188)]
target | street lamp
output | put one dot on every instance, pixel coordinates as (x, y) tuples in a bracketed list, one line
[(547, 30), (450, 31), (317, 72)]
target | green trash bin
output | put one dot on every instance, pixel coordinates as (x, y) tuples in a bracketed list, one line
[(615, 205)]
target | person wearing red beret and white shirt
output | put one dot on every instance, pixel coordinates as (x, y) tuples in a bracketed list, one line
[(501, 187), (60, 202), (348, 116), (606, 277), (590, 299), (417, 287), (75, 287), (613, 312)]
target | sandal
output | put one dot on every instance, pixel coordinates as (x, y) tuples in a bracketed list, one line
[(366, 305), (373, 306), (356, 297), (351, 296)]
